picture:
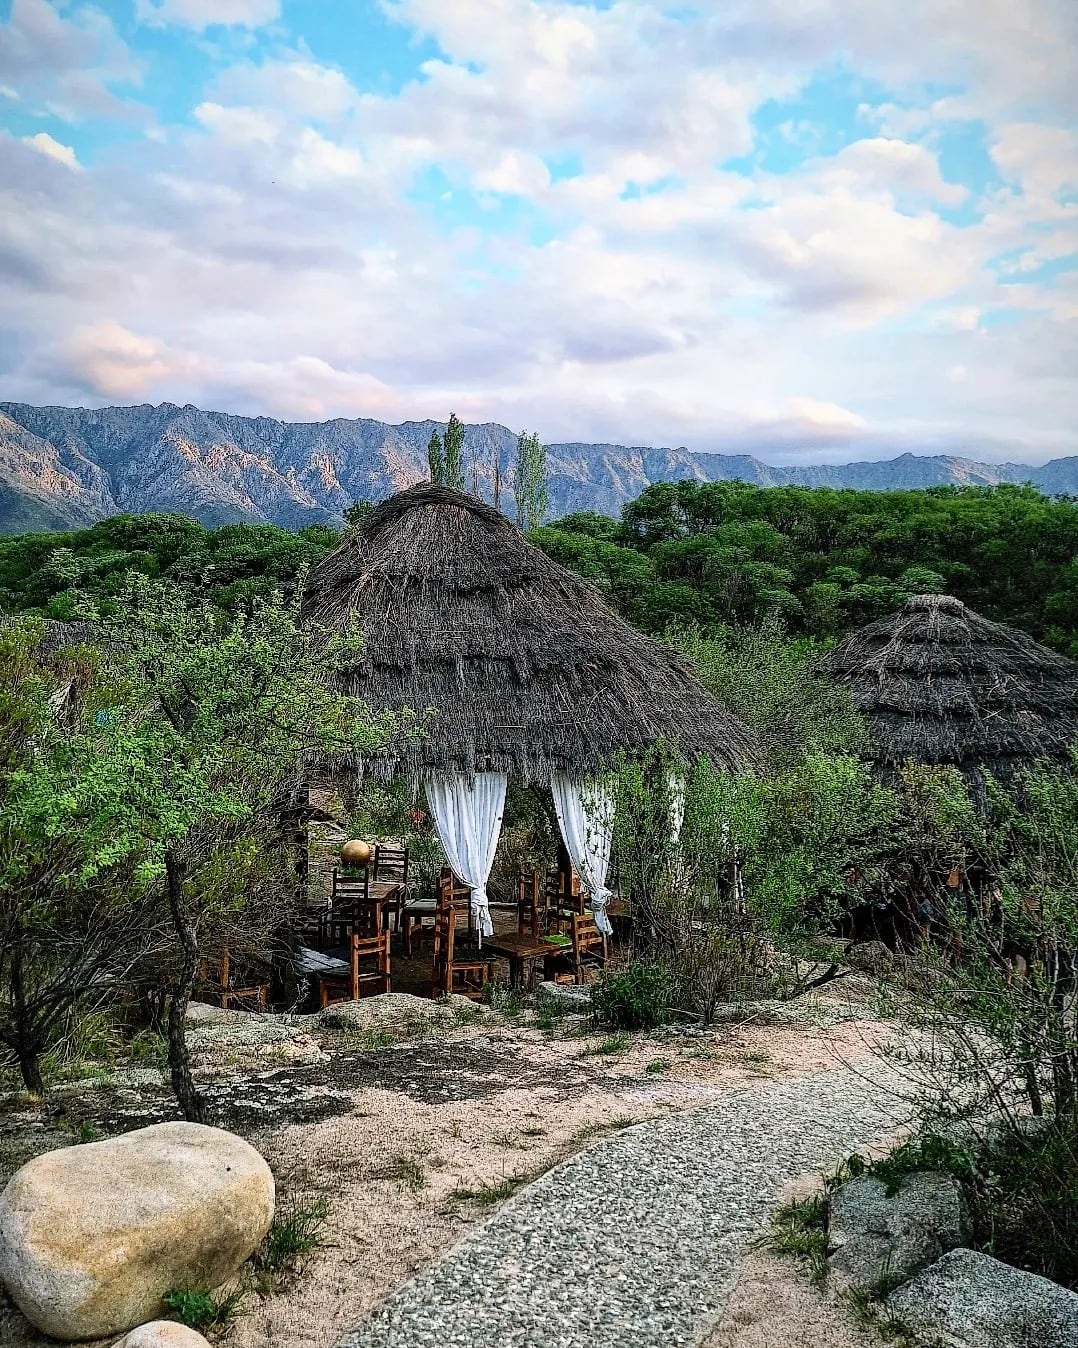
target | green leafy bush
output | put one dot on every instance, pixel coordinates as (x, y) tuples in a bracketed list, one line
[(636, 998)]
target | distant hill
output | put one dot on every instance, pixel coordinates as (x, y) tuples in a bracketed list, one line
[(62, 467)]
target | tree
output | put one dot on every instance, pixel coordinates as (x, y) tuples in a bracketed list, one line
[(79, 909), (436, 459), (454, 453), (231, 707), (531, 481)]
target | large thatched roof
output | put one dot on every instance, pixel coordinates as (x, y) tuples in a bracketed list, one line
[(937, 683), (511, 662)]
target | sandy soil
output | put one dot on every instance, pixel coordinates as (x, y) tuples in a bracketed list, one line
[(773, 1305), (412, 1142)]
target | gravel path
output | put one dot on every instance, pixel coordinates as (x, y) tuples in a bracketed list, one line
[(635, 1242)]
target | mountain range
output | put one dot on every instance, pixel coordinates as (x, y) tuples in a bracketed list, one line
[(64, 467)]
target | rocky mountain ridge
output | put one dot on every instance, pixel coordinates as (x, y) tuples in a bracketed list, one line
[(63, 467)]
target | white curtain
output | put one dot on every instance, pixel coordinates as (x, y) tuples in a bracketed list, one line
[(677, 787), (585, 811), (467, 814)]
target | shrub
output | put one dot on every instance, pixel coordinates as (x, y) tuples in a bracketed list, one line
[(198, 1309), (297, 1230), (636, 998)]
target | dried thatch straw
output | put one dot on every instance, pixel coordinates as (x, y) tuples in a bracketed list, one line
[(512, 663), (937, 683)]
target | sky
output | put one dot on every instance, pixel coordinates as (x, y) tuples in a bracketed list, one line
[(815, 230)]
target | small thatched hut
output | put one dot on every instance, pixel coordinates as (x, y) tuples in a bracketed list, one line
[(513, 666), (512, 663), (937, 683)]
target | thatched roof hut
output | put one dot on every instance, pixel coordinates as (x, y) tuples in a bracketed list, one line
[(512, 663), (937, 683)]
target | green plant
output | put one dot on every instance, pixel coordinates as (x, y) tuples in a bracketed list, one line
[(505, 1000), (198, 1309), (405, 1171), (799, 1229), (297, 1229), (608, 1047), (659, 1065), (636, 998)]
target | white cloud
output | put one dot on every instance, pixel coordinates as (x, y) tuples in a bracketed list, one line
[(275, 256), (825, 416), (47, 145), (108, 359), (1042, 160), (67, 65), (203, 14)]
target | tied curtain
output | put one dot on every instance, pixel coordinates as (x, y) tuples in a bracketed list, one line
[(585, 811), (467, 813)]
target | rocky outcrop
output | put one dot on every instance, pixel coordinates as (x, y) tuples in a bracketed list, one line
[(92, 1237), (970, 1300), (877, 1235)]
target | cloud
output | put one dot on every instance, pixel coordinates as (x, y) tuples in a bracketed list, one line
[(108, 359), (67, 65), (541, 225), (45, 144), (1041, 160), (203, 14)]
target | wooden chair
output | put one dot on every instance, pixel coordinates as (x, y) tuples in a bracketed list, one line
[(564, 898), (469, 976), (391, 862), (391, 867), (350, 888), (367, 946), (413, 913), (588, 951), (226, 983), (531, 906)]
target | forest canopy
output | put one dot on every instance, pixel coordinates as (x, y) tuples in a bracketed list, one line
[(709, 555)]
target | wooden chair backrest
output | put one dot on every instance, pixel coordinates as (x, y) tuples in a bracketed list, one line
[(391, 862), (586, 935), (530, 904), (350, 887), (451, 891), (359, 919)]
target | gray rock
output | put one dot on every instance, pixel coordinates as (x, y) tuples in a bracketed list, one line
[(970, 1300), (877, 1235), (569, 998)]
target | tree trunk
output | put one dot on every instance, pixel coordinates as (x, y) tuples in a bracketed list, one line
[(179, 1060), (26, 1042)]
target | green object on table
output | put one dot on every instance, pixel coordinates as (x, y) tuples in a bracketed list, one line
[(558, 939)]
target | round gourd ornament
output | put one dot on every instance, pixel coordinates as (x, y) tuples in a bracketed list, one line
[(356, 853)]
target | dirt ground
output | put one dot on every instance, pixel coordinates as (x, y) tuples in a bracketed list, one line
[(413, 1121)]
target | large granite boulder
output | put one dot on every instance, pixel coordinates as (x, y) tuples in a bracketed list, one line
[(93, 1236), (970, 1300), (162, 1334), (877, 1235)]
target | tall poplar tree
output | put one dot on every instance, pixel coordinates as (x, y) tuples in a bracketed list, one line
[(454, 453), (531, 481)]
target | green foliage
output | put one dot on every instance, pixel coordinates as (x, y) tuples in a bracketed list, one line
[(436, 459), (298, 1229), (635, 998), (85, 570), (454, 453), (202, 1310), (771, 682), (728, 555), (530, 482), (799, 1230)]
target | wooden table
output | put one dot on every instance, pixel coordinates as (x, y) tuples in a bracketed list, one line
[(519, 950)]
